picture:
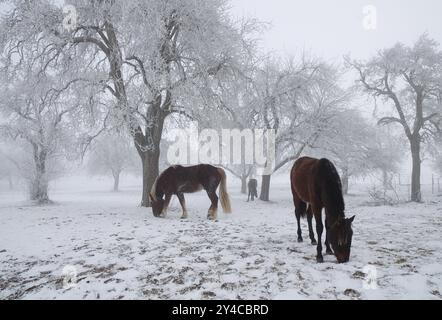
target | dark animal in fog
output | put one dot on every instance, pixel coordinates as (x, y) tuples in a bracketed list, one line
[(316, 185), (178, 180), (252, 187)]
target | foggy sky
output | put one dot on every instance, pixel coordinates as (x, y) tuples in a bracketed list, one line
[(330, 29)]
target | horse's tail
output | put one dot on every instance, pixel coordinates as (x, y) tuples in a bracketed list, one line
[(223, 195)]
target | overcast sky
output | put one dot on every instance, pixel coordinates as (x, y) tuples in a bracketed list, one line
[(330, 29)]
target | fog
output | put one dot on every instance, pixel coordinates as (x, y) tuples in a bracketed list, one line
[(171, 149), (332, 29)]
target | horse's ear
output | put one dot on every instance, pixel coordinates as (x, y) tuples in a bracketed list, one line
[(351, 219)]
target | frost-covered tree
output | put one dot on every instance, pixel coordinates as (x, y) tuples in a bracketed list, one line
[(45, 105), (386, 154), (297, 101), (35, 117), (150, 54), (112, 153), (232, 98), (438, 164), (436, 154), (408, 79), (8, 169), (348, 144), (359, 148)]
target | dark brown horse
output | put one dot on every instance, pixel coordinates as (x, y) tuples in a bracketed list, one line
[(316, 184), (177, 180), (253, 189)]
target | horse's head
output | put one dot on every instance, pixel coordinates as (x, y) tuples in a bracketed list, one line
[(340, 238), (157, 205)]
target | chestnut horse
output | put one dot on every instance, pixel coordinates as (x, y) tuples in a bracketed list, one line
[(177, 180), (316, 184)]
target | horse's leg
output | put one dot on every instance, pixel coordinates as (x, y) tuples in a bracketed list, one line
[(166, 205), (319, 229), (310, 226), (248, 196), (180, 196), (213, 210), (328, 250), (300, 207)]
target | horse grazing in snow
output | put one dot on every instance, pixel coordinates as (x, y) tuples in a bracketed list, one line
[(316, 184), (177, 180)]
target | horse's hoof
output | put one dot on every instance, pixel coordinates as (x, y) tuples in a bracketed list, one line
[(319, 259), (300, 240), (183, 217), (314, 243)]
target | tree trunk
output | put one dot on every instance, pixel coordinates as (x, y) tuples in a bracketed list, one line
[(150, 161), (416, 169), (265, 188), (387, 180), (39, 183), (243, 184), (116, 180), (148, 147), (345, 179)]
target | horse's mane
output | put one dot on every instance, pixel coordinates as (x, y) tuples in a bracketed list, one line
[(153, 190), (331, 188)]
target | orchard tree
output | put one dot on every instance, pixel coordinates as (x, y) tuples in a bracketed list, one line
[(297, 101), (233, 98), (46, 103), (8, 169), (36, 115), (148, 54), (156, 52), (386, 154), (436, 153), (359, 148), (112, 153), (348, 144), (408, 79)]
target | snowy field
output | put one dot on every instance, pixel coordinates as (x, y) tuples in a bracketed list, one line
[(120, 251)]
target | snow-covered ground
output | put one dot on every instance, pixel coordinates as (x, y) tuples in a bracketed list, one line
[(116, 250)]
